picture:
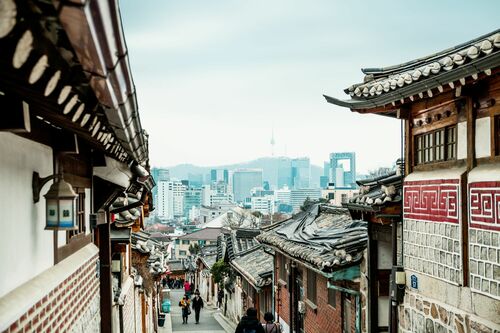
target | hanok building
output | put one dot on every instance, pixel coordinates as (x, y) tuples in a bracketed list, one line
[(71, 123), (318, 254), (250, 281), (379, 203), (449, 105), (204, 280)]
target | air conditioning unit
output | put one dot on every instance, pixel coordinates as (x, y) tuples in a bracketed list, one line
[(302, 307)]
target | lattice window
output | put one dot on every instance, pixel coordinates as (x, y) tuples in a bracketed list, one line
[(80, 214), (436, 146)]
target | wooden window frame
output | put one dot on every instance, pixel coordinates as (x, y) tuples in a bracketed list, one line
[(312, 295), (436, 146), (79, 215), (332, 297)]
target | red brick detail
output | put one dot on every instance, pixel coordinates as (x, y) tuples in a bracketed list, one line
[(54, 310)]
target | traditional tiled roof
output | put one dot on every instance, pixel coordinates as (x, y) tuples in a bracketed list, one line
[(142, 242), (203, 234), (377, 192), (175, 265), (255, 265), (324, 237), (424, 77), (240, 240)]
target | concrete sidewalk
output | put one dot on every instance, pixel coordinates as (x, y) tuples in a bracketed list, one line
[(210, 321)]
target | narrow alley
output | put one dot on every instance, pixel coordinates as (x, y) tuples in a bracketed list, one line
[(208, 321)]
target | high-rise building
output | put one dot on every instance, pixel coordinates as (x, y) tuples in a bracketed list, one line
[(164, 202), (158, 175), (192, 199), (263, 204), (219, 175), (284, 172), (301, 172), (298, 196), (343, 169), (244, 180), (170, 200)]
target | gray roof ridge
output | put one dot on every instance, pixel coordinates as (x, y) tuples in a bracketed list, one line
[(418, 62)]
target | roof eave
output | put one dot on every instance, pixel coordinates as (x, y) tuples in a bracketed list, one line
[(474, 67)]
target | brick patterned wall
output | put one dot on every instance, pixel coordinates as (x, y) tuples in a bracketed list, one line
[(433, 248), (72, 306), (326, 318), (484, 237)]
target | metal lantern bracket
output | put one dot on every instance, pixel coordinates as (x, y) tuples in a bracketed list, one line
[(37, 184)]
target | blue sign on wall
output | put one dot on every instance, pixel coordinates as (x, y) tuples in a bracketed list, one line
[(414, 281)]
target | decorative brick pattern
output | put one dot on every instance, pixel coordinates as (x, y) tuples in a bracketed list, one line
[(128, 309), (433, 249), (432, 200), (420, 314), (484, 238), (73, 306), (484, 209)]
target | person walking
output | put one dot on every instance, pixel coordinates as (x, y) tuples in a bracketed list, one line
[(220, 296), (250, 323), (187, 289), (270, 326), (197, 306), (185, 305)]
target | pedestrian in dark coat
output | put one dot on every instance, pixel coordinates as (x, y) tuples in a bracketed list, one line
[(250, 323), (197, 306), (185, 304)]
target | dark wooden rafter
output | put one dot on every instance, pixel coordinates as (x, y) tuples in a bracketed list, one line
[(49, 40)]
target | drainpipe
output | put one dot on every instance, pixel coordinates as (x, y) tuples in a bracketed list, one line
[(357, 296)]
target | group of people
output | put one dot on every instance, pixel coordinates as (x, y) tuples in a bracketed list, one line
[(186, 303), (250, 323)]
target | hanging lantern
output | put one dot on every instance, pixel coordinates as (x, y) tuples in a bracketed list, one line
[(61, 206)]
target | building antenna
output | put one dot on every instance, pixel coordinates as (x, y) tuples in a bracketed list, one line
[(273, 142)]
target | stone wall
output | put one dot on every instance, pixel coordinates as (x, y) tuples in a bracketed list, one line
[(433, 248), (421, 314)]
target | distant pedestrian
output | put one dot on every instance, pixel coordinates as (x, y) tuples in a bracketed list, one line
[(197, 306), (185, 305), (220, 296), (187, 288), (270, 326), (250, 323)]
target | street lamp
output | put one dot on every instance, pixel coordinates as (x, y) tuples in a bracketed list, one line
[(60, 203)]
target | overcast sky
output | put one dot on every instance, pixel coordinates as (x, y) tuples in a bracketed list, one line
[(214, 78)]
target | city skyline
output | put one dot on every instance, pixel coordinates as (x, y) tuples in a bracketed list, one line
[(214, 79)]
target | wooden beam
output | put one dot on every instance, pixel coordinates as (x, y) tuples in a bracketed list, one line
[(465, 228), (471, 134)]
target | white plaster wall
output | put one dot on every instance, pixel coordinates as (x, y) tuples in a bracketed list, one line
[(483, 137), (384, 258), (26, 248), (383, 311), (462, 140)]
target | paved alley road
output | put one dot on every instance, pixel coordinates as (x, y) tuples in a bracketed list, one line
[(207, 324)]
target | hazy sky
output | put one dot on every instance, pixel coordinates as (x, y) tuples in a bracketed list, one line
[(214, 77)]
